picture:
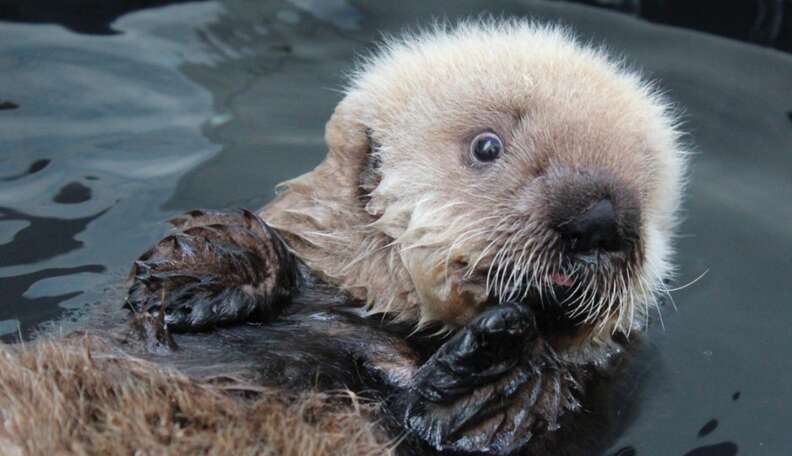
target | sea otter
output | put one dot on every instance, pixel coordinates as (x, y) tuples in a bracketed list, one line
[(503, 196)]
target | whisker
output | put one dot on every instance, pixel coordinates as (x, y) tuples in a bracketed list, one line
[(691, 283)]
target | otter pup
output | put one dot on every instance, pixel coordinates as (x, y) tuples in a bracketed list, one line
[(497, 181)]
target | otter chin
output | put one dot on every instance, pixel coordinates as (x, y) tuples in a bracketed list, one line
[(503, 194), (490, 162)]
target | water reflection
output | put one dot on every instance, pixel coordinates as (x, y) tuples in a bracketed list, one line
[(108, 124), (275, 56), (708, 427), (17, 307), (73, 193), (82, 16), (42, 238), (719, 449), (34, 167)]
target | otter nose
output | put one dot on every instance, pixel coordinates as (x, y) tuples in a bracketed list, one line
[(594, 229)]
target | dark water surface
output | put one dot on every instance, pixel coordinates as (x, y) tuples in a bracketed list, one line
[(210, 104)]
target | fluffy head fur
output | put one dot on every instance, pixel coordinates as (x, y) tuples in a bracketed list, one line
[(400, 215)]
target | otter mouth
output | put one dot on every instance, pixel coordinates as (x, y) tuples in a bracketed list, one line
[(554, 309), (554, 303), (570, 295)]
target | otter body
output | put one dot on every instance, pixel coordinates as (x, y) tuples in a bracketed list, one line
[(493, 217)]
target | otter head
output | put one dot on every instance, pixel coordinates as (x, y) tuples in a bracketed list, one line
[(507, 162)]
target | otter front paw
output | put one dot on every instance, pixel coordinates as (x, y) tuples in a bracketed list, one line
[(461, 396), (481, 352), (219, 268), (190, 300)]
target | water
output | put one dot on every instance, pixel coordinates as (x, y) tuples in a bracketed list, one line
[(210, 104)]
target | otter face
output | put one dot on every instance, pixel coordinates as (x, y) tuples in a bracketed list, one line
[(510, 163)]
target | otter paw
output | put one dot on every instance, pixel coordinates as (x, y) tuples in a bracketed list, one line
[(471, 381), (189, 301), (488, 347), (231, 269)]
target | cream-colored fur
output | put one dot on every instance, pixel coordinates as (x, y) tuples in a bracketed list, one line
[(428, 241)]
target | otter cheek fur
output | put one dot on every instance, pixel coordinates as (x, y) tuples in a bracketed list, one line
[(496, 180)]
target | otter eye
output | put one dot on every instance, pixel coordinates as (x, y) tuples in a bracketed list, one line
[(486, 147)]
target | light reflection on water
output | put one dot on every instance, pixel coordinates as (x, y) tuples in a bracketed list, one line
[(210, 105), (113, 124)]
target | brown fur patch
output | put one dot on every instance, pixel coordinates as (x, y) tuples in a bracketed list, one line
[(79, 395)]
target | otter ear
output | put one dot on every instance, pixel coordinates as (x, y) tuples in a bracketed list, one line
[(345, 135), (353, 152)]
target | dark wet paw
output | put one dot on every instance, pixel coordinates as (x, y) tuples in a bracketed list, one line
[(489, 389), (481, 352), (221, 268), (496, 336), (461, 396)]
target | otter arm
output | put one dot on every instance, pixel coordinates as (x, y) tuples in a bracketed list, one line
[(217, 268), (492, 388)]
